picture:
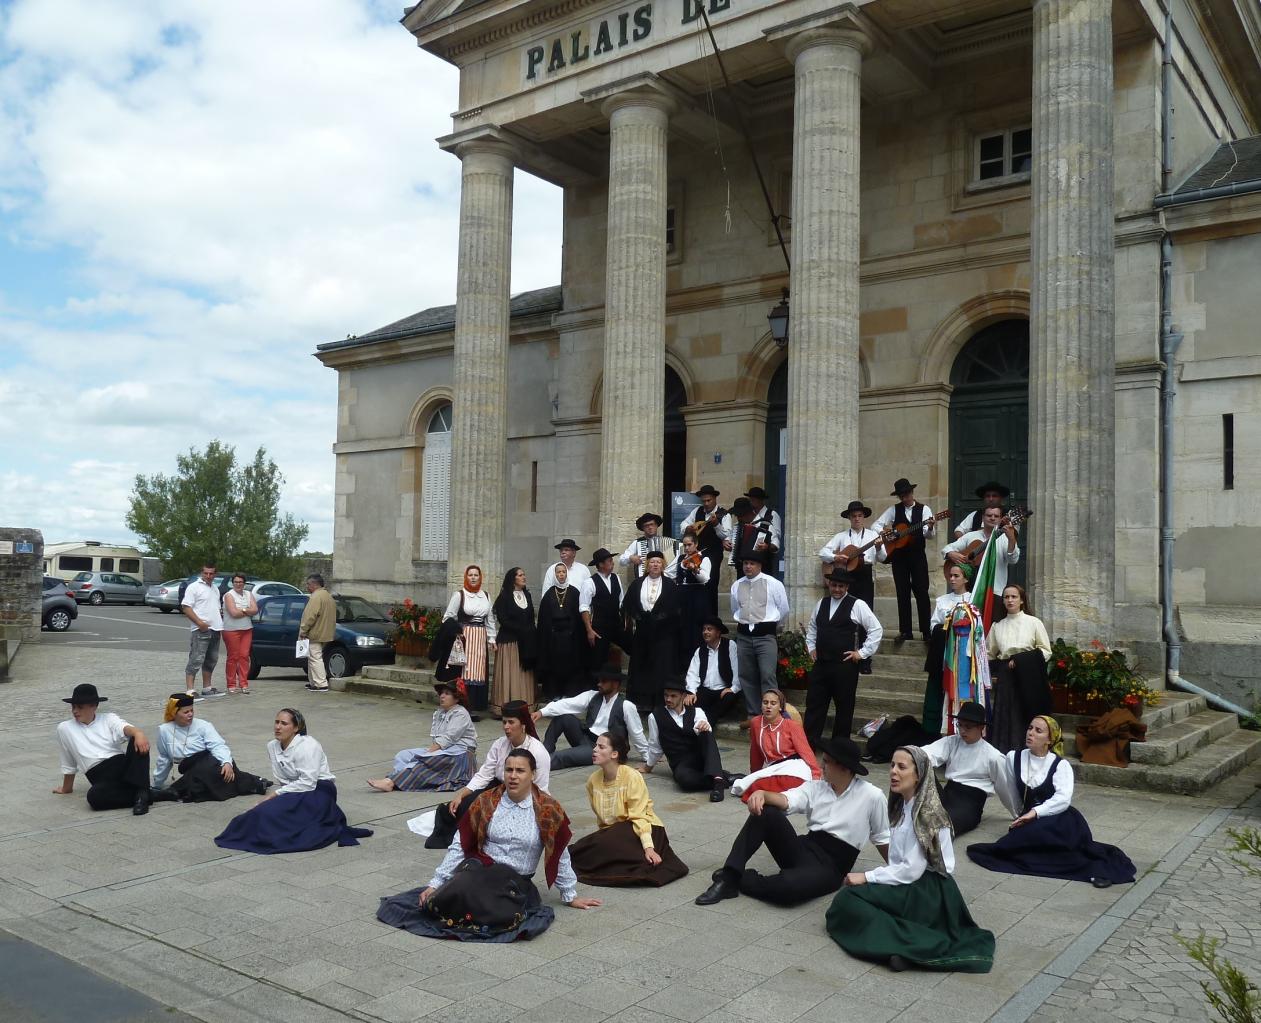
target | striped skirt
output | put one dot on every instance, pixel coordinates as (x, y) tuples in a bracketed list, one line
[(445, 772), (475, 672)]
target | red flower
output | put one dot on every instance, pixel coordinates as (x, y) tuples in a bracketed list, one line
[(783, 662), (407, 601), (1131, 700), (800, 673), (1061, 664)]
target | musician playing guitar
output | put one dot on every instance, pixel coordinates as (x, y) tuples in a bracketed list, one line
[(842, 549), (966, 550), (907, 557)]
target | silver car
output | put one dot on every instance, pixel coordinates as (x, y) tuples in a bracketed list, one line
[(106, 587), (164, 596)]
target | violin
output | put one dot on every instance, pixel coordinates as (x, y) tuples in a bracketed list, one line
[(692, 561)]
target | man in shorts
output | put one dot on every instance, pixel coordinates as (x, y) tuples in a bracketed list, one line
[(202, 608)]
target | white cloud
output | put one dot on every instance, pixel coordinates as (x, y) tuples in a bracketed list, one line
[(228, 185)]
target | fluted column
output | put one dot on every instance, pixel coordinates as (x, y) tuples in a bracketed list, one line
[(1071, 538), (823, 324), (479, 411), (634, 313)]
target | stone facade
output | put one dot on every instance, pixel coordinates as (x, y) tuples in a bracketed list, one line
[(21, 592), (901, 254)]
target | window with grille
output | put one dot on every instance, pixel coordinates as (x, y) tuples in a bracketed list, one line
[(1003, 156), (435, 487)]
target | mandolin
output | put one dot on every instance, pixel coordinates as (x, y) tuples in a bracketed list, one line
[(975, 551), (904, 532)]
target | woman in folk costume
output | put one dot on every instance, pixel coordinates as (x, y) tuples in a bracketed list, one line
[(560, 640), (450, 759), (965, 668), (909, 912), (1050, 838), (482, 890), (940, 639), (195, 747), (470, 607), (1019, 650), (629, 847), (780, 757), (515, 643)]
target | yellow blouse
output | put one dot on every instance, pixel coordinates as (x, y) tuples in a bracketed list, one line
[(624, 798)]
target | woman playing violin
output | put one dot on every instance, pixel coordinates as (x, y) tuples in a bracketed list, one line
[(691, 570)]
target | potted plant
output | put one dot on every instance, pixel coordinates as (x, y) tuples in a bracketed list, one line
[(793, 664), (417, 626), (1095, 680)]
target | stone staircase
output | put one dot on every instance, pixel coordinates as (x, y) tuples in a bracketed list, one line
[(1188, 749)]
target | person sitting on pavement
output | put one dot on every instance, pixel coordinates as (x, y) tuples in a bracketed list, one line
[(483, 889), (843, 812), (975, 770), (583, 718), (780, 757), (713, 676), (207, 771), (450, 759), (112, 754), (687, 740)]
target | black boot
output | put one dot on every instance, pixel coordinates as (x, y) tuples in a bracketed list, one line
[(724, 887), (719, 790), (162, 796), (141, 806)]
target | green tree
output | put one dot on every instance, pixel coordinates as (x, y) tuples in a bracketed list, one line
[(213, 508)]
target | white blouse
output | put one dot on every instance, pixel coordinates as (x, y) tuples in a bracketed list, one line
[(907, 860), (300, 766), (945, 604), (1017, 633), (492, 768), (1033, 772), (476, 605)]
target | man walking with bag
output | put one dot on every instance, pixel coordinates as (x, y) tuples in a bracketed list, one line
[(318, 626)]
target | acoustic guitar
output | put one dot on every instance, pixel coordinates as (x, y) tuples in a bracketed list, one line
[(851, 556), (904, 532), (975, 551)]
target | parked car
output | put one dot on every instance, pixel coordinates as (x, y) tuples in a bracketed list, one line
[(273, 588), (60, 608), (361, 638), (222, 583), (106, 588), (164, 596)]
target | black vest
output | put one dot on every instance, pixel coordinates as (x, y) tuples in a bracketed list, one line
[(838, 634), (710, 541), (676, 742), (1031, 797), (605, 606), (916, 519), (724, 661), (617, 716)]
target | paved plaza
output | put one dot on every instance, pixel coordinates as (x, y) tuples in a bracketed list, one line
[(152, 903)]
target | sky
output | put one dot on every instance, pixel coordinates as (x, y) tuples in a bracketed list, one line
[(193, 196)]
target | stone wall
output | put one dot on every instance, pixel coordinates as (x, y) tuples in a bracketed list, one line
[(21, 592)]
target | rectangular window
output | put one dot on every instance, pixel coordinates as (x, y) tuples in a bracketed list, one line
[(73, 563), (669, 229), (107, 564), (1004, 155), (1228, 451), (129, 564)]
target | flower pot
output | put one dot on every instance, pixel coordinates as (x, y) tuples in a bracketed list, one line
[(410, 645), (1060, 700)]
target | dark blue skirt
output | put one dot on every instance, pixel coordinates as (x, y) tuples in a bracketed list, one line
[(292, 822), (1057, 846), (404, 911)]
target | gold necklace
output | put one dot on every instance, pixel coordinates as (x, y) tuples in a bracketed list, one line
[(561, 595)]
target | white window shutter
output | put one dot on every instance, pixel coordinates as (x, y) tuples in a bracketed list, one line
[(435, 491)]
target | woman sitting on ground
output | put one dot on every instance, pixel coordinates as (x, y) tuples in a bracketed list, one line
[(301, 813), (1019, 650), (630, 846), (450, 759), (780, 757), (909, 912), (482, 890), (207, 770), (1050, 838)]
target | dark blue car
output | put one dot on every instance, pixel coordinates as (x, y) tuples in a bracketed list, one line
[(362, 635)]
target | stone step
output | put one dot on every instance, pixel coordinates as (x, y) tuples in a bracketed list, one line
[(394, 683), (1189, 776), (910, 648), (1170, 743)]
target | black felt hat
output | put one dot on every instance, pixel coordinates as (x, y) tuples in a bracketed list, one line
[(902, 486), (972, 712), (993, 485), (707, 489), (84, 693), (675, 682), (600, 555), (856, 506), (716, 622), (840, 575), (566, 543), (648, 517), (843, 751), (741, 505), (757, 492)]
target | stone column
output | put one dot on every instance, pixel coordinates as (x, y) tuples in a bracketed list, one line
[(1071, 538), (823, 321), (634, 314), (479, 411)]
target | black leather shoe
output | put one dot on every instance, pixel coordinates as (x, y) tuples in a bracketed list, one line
[(901, 638), (1101, 882), (162, 796), (724, 888), (897, 964), (141, 806), (717, 793)]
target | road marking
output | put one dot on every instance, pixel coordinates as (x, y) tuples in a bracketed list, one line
[(134, 621)]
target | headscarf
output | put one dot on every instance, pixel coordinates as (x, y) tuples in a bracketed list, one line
[(173, 704), (520, 710), (477, 588), (1057, 734), (929, 815), (558, 584), (968, 570)]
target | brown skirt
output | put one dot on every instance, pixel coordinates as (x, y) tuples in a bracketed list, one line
[(613, 857), (512, 682)]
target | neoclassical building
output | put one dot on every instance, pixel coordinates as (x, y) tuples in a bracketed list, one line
[(1018, 240)]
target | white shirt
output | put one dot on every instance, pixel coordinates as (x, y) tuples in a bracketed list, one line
[(713, 676), (204, 600), (776, 598), (85, 746), (176, 744), (655, 543), (1017, 633), (650, 592), (977, 765), (970, 522), (492, 768), (702, 574), (654, 736), (886, 519), (772, 519), (859, 614), (856, 537), (577, 575), (586, 593), (242, 603), (719, 527), (299, 767), (945, 604), (907, 859), (476, 605), (1005, 557), (577, 706), (1034, 770), (858, 815)]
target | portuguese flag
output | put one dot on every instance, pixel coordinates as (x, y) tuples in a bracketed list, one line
[(983, 584)]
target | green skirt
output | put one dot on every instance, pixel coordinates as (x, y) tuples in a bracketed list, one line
[(927, 923)]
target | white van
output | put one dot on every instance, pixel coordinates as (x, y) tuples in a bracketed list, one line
[(66, 560)]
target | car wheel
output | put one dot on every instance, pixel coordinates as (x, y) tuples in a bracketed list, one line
[(166, 610), (57, 620), (338, 664), (255, 668), (97, 598)]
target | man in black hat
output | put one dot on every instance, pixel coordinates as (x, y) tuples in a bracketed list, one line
[(992, 495), (686, 738), (708, 523), (745, 538), (649, 525), (841, 633), (713, 675), (856, 538), (769, 517), (578, 572), (759, 603), (909, 563), (843, 812), (584, 718), (975, 770), (112, 754), (600, 604)]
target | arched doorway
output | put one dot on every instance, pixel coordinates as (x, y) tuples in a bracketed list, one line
[(674, 451), (989, 418)]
